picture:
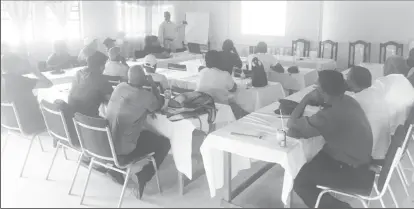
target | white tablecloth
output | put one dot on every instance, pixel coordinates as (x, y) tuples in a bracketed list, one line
[(262, 122), (376, 70), (301, 80), (250, 99), (176, 58), (65, 77), (306, 62), (179, 132)]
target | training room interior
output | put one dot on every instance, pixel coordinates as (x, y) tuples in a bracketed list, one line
[(277, 23)]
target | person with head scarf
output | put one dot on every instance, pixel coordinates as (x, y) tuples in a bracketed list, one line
[(114, 67), (150, 66), (168, 32), (90, 88), (345, 158), (268, 60), (127, 112), (229, 57), (60, 58)]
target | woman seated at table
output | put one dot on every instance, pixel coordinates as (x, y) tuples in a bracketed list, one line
[(153, 46), (267, 60), (115, 67), (229, 57), (150, 66), (60, 58)]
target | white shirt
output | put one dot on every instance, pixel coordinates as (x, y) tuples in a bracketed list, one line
[(160, 79), (114, 68), (167, 33), (216, 83), (267, 60)]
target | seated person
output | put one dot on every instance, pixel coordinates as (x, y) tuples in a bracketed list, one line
[(110, 43), (399, 65), (90, 88), (114, 67), (60, 59), (153, 46), (344, 160), (268, 60), (90, 48), (229, 57), (369, 97), (127, 112), (214, 81), (150, 66), (18, 89)]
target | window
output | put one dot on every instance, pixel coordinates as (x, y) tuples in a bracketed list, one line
[(267, 18), (72, 29), (9, 30), (131, 19), (158, 16)]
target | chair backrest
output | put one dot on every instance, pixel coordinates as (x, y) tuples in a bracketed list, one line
[(95, 137), (333, 50), (55, 121), (393, 156), (383, 50), (306, 47), (194, 48), (366, 52), (174, 66), (9, 117)]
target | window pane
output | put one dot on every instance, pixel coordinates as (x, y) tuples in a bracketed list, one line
[(264, 17)]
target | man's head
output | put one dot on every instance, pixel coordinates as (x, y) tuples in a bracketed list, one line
[(331, 84), (358, 79), (150, 63), (167, 16), (212, 59), (136, 76), (410, 60), (109, 43), (261, 47), (96, 63), (228, 45), (114, 53)]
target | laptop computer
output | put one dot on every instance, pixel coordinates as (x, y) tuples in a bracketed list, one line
[(194, 48)]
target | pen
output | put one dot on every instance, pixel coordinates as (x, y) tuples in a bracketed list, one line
[(241, 134)]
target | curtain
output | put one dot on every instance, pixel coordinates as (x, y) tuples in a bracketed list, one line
[(61, 9), (19, 12)]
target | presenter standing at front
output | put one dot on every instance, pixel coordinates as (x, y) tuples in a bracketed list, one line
[(168, 32)]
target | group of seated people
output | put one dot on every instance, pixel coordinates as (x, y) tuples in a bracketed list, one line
[(345, 122)]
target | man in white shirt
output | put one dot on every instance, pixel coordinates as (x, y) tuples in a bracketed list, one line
[(268, 60), (150, 66), (114, 67), (168, 31), (214, 81)]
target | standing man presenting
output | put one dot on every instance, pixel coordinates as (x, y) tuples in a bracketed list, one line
[(167, 33)]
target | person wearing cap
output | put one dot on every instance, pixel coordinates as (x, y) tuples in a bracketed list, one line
[(110, 43), (168, 31), (150, 66), (114, 67), (90, 88), (127, 112), (60, 58)]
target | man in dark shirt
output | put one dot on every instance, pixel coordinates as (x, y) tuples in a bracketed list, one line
[(18, 89), (229, 57), (90, 88), (60, 58), (344, 160)]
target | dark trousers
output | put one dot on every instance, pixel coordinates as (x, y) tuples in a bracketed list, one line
[(324, 170), (148, 142)]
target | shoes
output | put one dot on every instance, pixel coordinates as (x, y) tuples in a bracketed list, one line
[(116, 177), (139, 189)]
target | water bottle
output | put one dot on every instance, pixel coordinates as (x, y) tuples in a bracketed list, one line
[(281, 135)]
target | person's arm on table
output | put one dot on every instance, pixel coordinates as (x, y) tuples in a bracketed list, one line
[(42, 81)]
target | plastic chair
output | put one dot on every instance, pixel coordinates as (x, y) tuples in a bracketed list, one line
[(57, 127), (392, 158), (306, 47), (366, 52), (333, 49), (96, 141), (399, 50), (10, 120)]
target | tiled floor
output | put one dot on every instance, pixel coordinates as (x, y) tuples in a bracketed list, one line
[(34, 191)]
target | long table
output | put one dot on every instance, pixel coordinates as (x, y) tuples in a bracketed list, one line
[(303, 62), (175, 58)]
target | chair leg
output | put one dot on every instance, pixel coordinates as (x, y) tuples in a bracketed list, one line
[(76, 173), (363, 202), (64, 153), (124, 187), (403, 179), (53, 160), (392, 196), (87, 180), (156, 175), (40, 143), (378, 193), (27, 155), (320, 197), (6, 137), (410, 157)]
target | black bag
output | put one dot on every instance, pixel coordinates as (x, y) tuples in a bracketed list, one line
[(293, 70), (286, 107), (259, 77), (278, 68), (191, 105)]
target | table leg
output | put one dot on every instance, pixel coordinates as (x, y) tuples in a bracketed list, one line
[(289, 200), (227, 177), (181, 183)]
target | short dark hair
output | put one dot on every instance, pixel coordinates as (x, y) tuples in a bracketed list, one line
[(227, 45), (361, 77), (212, 59), (261, 47), (332, 82), (98, 59)]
